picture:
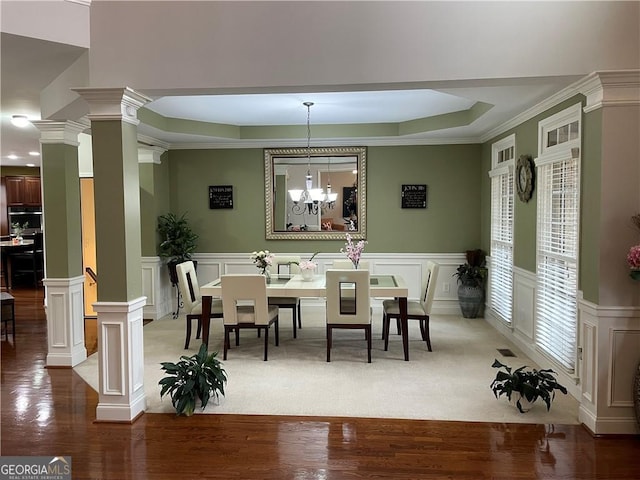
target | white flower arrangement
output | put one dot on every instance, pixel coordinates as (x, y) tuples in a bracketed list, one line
[(262, 259)]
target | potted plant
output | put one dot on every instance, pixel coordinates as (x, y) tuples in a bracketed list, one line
[(199, 376), (178, 241), (525, 385), (472, 277), (18, 229)]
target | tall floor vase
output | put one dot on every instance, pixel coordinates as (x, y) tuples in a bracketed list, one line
[(471, 298)]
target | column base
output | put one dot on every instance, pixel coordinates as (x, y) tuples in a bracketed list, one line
[(120, 360), (65, 322)]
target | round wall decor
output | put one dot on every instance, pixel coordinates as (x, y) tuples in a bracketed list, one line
[(524, 177)]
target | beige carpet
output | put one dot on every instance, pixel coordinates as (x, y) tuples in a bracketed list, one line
[(450, 383)]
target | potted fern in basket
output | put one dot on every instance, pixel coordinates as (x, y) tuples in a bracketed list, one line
[(193, 378)]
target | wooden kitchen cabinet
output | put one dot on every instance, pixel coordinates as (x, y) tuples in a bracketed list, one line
[(23, 191)]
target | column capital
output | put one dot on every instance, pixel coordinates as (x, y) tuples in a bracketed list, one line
[(611, 89), (150, 154), (121, 103), (59, 132)]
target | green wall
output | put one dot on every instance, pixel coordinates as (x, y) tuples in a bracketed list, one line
[(451, 173), (451, 221), (525, 213), (154, 201), (590, 197)]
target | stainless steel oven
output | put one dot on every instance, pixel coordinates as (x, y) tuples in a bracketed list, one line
[(31, 216)]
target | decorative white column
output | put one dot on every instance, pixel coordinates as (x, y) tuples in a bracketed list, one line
[(63, 253), (609, 325), (120, 360), (113, 115), (65, 322)]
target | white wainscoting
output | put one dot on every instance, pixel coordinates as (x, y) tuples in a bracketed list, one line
[(608, 350), (521, 330), (156, 286), (609, 346), (524, 304), (162, 296)]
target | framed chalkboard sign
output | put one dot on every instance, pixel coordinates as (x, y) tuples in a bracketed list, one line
[(414, 196), (221, 196)]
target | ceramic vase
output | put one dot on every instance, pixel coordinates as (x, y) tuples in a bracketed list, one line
[(471, 298)]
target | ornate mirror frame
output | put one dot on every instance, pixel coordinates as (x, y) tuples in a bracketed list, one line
[(270, 157)]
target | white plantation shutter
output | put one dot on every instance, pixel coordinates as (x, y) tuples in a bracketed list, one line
[(501, 275), (557, 258)]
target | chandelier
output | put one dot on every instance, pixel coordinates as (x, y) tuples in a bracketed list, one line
[(310, 199)]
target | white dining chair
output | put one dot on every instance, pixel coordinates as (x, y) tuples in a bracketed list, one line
[(416, 310), (192, 300), (287, 264), (348, 304), (244, 305), (348, 264)]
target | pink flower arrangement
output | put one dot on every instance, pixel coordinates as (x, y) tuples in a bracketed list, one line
[(353, 250), (308, 264), (633, 257), (633, 260)]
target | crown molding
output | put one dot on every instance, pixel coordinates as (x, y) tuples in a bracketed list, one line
[(613, 88), (297, 143), (564, 94), (153, 142), (603, 88)]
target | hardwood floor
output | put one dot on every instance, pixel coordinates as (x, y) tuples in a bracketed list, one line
[(52, 412)]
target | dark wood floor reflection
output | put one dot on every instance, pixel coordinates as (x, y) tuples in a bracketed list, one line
[(52, 412)]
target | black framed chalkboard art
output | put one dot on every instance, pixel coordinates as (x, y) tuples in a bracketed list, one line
[(220, 196), (414, 196)]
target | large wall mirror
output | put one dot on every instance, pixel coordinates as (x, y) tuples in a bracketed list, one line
[(297, 181)]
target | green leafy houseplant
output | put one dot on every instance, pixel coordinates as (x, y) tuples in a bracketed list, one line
[(199, 376), (474, 271), (529, 384), (177, 241)]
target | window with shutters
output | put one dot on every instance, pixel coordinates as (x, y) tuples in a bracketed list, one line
[(502, 195), (558, 183)]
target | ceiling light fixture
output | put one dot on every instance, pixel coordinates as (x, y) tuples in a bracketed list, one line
[(12, 156), (34, 153), (309, 197), (20, 120), (31, 164), (330, 198)]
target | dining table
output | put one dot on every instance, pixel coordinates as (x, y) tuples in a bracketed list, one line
[(381, 286), (7, 247)]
